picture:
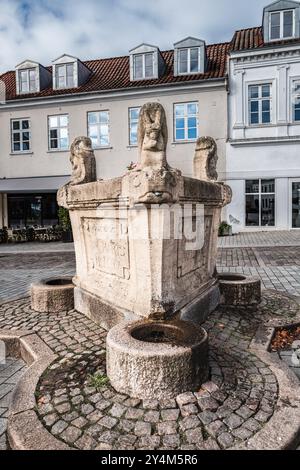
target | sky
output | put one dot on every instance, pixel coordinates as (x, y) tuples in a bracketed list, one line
[(42, 30)]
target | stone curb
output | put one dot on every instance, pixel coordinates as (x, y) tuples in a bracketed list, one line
[(282, 432), (24, 429)]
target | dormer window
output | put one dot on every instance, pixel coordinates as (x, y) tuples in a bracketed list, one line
[(189, 56), (31, 77), (64, 76), (69, 72), (28, 81), (282, 25), (146, 63), (281, 21), (189, 60), (143, 65)]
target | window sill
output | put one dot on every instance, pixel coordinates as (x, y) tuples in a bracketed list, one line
[(20, 153), (181, 142), (129, 147), (108, 147), (58, 151)]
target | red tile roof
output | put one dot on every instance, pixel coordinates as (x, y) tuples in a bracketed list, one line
[(252, 38), (113, 74)]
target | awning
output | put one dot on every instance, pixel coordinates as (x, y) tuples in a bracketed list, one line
[(32, 185)]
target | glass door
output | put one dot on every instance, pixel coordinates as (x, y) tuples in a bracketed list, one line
[(296, 204)]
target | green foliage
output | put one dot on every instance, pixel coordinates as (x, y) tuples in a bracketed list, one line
[(98, 380), (64, 219), (224, 229)]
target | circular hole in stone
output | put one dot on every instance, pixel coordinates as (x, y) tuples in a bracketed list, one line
[(231, 277), (58, 282), (176, 334)]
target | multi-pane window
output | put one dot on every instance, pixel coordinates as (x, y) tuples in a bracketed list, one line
[(282, 24), (143, 66), (98, 128), (133, 125), (64, 76), (260, 98), (189, 60), (260, 203), (296, 100), (20, 135), (186, 121), (58, 132), (27, 81)]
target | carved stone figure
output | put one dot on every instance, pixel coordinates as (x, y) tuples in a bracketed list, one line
[(83, 161), (152, 136), (205, 160)]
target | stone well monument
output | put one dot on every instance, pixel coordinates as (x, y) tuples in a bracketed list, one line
[(145, 243)]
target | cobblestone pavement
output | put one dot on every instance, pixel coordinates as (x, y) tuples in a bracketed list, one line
[(233, 406), (273, 238), (10, 374), (36, 247), (18, 271)]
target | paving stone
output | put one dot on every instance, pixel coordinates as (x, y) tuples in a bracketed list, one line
[(103, 404), (79, 422), (170, 414), (233, 421), (63, 408), (167, 428), (216, 428), (134, 413), (70, 416), (194, 436), (71, 434), (244, 412), (46, 409), (206, 417), (108, 437), (152, 416), (108, 422), (126, 440), (262, 416), (210, 387), (49, 420), (185, 399), (242, 433), (225, 440), (167, 403), (252, 425), (190, 422), (59, 427), (208, 403), (142, 429), (150, 404), (171, 440), (117, 410), (149, 442), (126, 425), (86, 409), (86, 442)]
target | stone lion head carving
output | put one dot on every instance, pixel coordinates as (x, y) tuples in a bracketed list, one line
[(152, 135), (83, 161), (205, 160)]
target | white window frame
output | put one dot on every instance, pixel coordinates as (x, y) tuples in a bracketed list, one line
[(259, 99), (293, 94), (260, 194), (186, 116), (188, 60), (130, 122), (65, 86), (281, 12), (58, 128), (143, 55), (27, 71), (21, 132), (98, 124)]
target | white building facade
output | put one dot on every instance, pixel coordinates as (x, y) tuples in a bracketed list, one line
[(263, 148)]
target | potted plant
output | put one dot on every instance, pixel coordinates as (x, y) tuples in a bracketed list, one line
[(225, 230), (65, 224)]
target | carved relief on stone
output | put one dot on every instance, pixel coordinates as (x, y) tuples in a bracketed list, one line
[(83, 161), (205, 160), (152, 136)]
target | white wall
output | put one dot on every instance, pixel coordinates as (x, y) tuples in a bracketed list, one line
[(268, 151), (113, 161)]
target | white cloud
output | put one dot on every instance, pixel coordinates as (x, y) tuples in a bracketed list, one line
[(44, 29)]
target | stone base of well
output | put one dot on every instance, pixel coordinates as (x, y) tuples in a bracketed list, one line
[(107, 316), (157, 360), (52, 295), (237, 289)]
